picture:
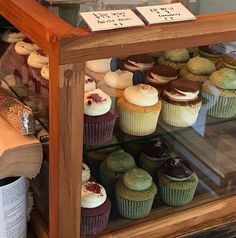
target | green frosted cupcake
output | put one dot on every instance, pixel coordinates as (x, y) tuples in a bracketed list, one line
[(135, 194), (177, 182), (113, 168), (219, 93), (153, 156)]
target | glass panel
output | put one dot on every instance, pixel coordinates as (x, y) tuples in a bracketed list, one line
[(184, 138), (24, 83)]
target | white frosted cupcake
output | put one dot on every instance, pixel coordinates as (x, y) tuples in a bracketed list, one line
[(115, 83), (97, 68), (85, 173), (139, 110), (89, 84), (95, 208)]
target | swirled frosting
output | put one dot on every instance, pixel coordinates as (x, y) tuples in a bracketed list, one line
[(182, 90), (96, 103), (92, 195), (177, 55), (141, 95), (38, 59), (85, 173), (25, 47), (99, 66), (45, 72), (12, 36), (89, 84), (120, 79), (137, 179)]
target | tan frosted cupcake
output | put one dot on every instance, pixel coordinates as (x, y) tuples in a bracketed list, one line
[(139, 110), (115, 83), (219, 93), (181, 103), (198, 69), (177, 58), (97, 68)]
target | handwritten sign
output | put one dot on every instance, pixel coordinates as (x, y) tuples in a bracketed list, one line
[(112, 19), (165, 13)]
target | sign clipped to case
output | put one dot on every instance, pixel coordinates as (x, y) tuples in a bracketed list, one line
[(111, 19), (165, 13)]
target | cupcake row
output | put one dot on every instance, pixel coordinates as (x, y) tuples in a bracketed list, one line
[(133, 190), (24, 59)]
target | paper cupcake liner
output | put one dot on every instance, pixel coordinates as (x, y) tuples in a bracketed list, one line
[(180, 116), (176, 197), (133, 209), (96, 133), (138, 124), (219, 106), (94, 224)]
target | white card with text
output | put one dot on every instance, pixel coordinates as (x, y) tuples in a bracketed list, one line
[(111, 19), (165, 13)]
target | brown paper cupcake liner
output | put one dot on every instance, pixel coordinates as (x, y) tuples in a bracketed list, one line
[(219, 106), (138, 124), (180, 116), (133, 209)]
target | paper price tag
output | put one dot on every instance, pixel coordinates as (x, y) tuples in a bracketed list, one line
[(165, 13), (112, 19)]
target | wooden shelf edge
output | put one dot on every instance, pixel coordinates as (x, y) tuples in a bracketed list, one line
[(38, 225), (176, 224)]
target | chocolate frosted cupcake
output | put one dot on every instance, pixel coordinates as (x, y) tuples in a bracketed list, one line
[(97, 68), (154, 155), (177, 58), (99, 118), (219, 93), (139, 110), (138, 62), (213, 52), (198, 69), (177, 182), (89, 84), (95, 208), (113, 168), (135, 194), (160, 75), (228, 61), (181, 103)]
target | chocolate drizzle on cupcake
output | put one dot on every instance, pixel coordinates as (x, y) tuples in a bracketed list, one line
[(156, 149), (177, 169)]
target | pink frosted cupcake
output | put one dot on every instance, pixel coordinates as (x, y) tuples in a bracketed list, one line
[(99, 118), (36, 61), (95, 208)]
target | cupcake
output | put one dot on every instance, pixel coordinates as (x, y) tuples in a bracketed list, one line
[(160, 75), (177, 182), (95, 157), (113, 168), (36, 61), (44, 81), (97, 68), (213, 52), (219, 93), (99, 118), (85, 173), (95, 208), (181, 103), (135, 193), (228, 61), (139, 110), (198, 69), (89, 84), (177, 58), (138, 62), (155, 153), (115, 83)]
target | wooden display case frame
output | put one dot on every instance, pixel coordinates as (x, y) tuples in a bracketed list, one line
[(69, 48)]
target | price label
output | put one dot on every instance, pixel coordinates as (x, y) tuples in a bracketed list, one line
[(165, 13), (112, 19)]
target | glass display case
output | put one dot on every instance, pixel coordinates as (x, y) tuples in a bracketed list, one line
[(137, 124)]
